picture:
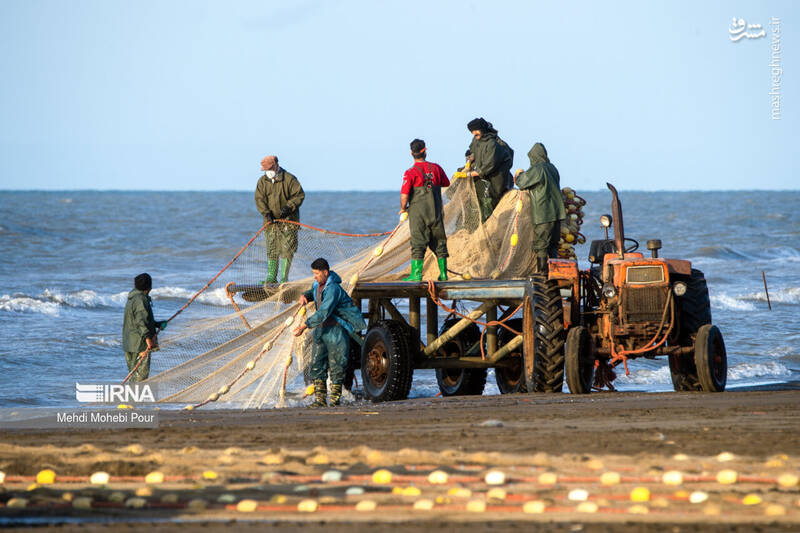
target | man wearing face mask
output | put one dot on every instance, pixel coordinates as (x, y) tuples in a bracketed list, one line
[(278, 197)]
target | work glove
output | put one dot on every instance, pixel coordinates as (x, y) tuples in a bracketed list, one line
[(285, 212), (162, 325)]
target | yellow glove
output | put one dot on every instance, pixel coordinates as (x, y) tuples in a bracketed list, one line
[(459, 174)]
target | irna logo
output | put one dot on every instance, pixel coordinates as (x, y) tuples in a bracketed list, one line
[(114, 393)]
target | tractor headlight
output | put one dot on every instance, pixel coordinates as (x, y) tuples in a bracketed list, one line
[(605, 221), (679, 288), (609, 291)]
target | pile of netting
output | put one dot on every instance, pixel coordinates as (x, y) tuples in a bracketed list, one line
[(246, 355)]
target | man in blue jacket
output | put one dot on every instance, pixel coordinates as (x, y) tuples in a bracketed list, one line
[(336, 317)]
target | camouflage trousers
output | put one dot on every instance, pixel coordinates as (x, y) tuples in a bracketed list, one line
[(329, 354), (143, 371)]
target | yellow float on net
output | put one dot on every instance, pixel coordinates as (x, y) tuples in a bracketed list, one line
[(378, 251), (569, 237), (466, 276), (214, 397), (403, 216), (267, 346), (309, 390), (45, 477), (224, 390), (518, 206), (189, 407), (289, 321), (353, 281), (514, 239), (251, 365)]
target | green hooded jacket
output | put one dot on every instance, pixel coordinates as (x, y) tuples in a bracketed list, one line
[(493, 161), (272, 195), (544, 186), (138, 323)]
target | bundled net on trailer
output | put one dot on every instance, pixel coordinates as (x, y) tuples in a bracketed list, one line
[(246, 355)]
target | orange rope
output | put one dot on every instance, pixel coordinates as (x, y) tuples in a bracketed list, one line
[(233, 302), (432, 294), (623, 354), (139, 362), (331, 232)]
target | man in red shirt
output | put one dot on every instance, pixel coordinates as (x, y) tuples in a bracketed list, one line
[(421, 196)]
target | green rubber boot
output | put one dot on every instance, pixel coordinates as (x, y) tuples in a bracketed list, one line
[(442, 268), (284, 264), (320, 393), (336, 394), (416, 271), (272, 271)]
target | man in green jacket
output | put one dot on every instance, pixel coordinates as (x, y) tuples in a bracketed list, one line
[(139, 328), (279, 196), (491, 169), (336, 317), (543, 184)]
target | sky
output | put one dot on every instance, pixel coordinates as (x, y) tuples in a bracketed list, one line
[(191, 95)]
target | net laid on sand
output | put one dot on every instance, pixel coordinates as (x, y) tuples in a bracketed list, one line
[(243, 355)]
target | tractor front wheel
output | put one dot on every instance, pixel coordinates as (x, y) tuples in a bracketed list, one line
[(579, 361), (711, 359)]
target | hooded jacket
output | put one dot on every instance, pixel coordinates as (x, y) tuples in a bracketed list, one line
[(335, 303), (272, 195), (138, 323), (543, 184)]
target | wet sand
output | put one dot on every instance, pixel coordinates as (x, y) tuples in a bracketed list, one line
[(276, 458)]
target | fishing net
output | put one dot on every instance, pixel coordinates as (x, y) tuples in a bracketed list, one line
[(245, 355)]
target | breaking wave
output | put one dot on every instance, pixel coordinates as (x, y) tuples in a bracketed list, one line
[(51, 301), (790, 295), (723, 301), (770, 369)]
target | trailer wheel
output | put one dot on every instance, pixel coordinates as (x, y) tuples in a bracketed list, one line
[(579, 360), (711, 359), (460, 381), (386, 365), (548, 327), (510, 377)]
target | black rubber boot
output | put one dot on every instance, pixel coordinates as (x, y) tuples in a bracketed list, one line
[(320, 393), (336, 394)]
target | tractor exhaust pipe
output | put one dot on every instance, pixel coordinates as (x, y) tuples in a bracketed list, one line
[(619, 228)]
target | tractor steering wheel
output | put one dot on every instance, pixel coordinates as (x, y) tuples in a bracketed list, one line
[(633, 247)]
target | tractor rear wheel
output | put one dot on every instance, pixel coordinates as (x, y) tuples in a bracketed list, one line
[(510, 377), (460, 381), (548, 326), (694, 307), (386, 365), (579, 360), (711, 359)]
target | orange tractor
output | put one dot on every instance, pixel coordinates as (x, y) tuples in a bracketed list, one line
[(627, 306)]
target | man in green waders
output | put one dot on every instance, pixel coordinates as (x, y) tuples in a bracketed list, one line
[(278, 196), (139, 328), (421, 197), (543, 184), (336, 317), (491, 168)]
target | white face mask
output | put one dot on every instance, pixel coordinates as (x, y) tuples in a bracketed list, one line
[(270, 174)]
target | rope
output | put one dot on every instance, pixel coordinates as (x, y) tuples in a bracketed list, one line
[(233, 303), (623, 354), (142, 357), (432, 294), (331, 232)]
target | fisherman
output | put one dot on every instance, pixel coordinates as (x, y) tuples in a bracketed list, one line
[(492, 164), (421, 197), (543, 184), (139, 328), (278, 197), (335, 319)]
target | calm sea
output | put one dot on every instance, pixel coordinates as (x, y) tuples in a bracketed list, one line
[(68, 259)]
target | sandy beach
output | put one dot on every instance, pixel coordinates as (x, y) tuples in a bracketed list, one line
[(561, 450)]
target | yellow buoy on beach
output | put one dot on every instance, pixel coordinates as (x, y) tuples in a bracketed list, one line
[(638, 509), (382, 477), (307, 506), (247, 506), (154, 478), (496, 494), (610, 478), (411, 491), (548, 478), (83, 503), (495, 477), (640, 494), (698, 496), (45, 477), (423, 505), (476, 506), (366, 506), (578, 495), (124, 406), (210, 475), (587, 507), (534, 507), (144, 492), (2, 477), (99, 478), (672, 477), (437, 477), (17, 503), (784, 480), (459, 492), (752, 499), (775, 509), (727, 477)]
